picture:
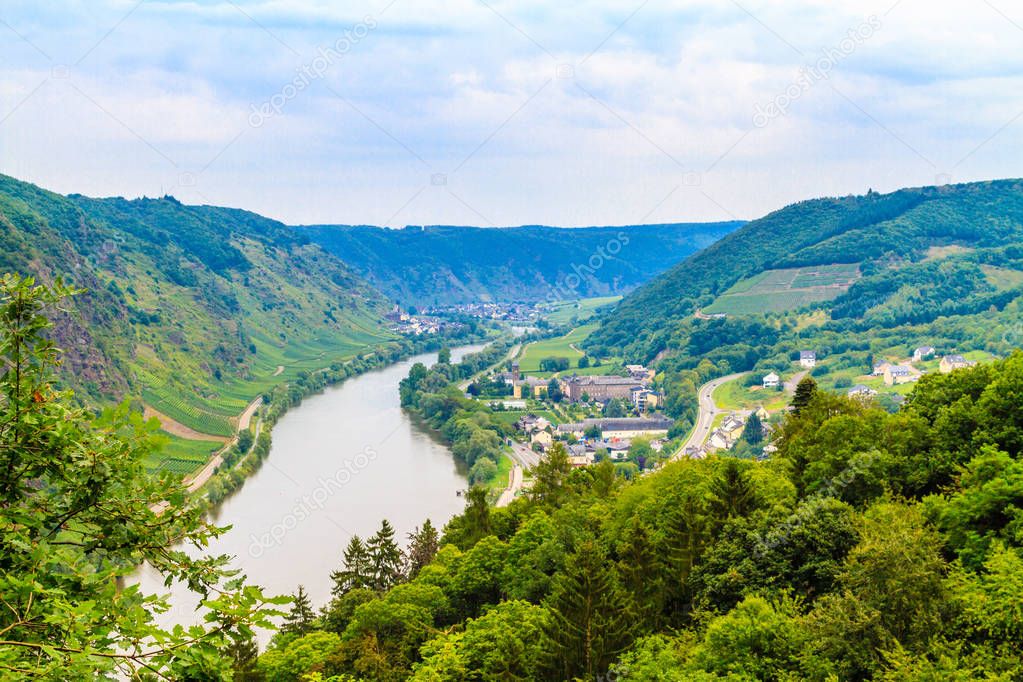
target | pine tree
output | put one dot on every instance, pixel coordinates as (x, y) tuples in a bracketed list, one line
[(386, 558), (357, 570), (423, 546), (300, 619), (588, 626), (243, 653), (753, 433), (732, 494), (642, 576), (805, 390)]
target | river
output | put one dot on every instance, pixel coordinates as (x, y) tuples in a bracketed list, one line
[(340, 462)]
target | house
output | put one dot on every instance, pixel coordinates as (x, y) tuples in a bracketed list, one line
[(600, 388), (808, 358), (695, 452), (530, 387), (922, 353), (898, 374), (625, 427), (733, 426), (771, 380), (530, 423), (762, 413), (880, 368), (718, 441), (953, 362), (644, 398), (861, 391), (544, 438)]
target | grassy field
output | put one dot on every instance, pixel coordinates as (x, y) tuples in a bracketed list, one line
[(559, 347), (734, 396), (1002, 278), (562, 312), (785, 289)]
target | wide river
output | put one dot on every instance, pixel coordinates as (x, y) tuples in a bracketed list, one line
[(340, 462)]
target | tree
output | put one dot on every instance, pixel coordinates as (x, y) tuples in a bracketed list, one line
[(300, 618), (477, 515), (243, 652), (444, 356), (732, 493), (805, 390), (385, 558), (588, 626), (641, 452), (614, 408), (550, 477), (584, 362), (357, 571), (554, 393), (753, 433), (79, 511), (423, 546), (592, 432)]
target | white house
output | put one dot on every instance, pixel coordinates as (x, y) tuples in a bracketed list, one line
[(808, 358), (922, 353), (771, 380)]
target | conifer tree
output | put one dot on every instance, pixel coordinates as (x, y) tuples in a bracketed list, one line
[(423, 546), (357, 568), (477, 516), (301, 616), (805, 390), (550, 477), (641, 574), (386, 558), (588, 626)]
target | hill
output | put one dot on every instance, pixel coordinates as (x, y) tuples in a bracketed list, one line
[(906, 257), (443, 265), (195, 310)]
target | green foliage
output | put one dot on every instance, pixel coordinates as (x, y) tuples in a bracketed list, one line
[(79, 512)]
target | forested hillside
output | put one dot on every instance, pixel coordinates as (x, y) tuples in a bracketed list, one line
[(872, 546), (191, 309), (922, 253), (441, 265)]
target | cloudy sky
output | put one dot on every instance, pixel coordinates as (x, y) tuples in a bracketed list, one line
[(506, 112)]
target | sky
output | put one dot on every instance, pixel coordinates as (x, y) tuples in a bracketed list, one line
[(508, 112)]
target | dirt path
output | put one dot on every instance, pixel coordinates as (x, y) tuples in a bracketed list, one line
[(178, 429), (277, 372)]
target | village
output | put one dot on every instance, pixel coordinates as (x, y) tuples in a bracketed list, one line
[(615, 415)]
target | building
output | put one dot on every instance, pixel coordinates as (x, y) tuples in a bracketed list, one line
[(922, 353), (880, 368), (861, 391), (544, 438), (772, 380), (530, 387), (898, 374), (625, 427), (808, 358), (953, 362), (601, 388), (644, 398)]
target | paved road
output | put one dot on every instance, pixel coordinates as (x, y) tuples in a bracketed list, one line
[(525, 459), (512, 352), (708, 410)]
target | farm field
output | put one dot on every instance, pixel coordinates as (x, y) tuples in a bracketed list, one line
[(560, 347), (562, 312), (785, 289), (181, 456), (734, 396)]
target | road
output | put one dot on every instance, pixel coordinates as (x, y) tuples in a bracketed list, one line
[(525, 459), (203, 475), (706, 413)]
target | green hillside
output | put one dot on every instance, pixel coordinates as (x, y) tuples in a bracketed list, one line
[(889, 237), (858, 280), (192, 309), (441, 265)]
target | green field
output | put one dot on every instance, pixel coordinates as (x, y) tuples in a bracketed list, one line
[(785, 289), (734, 396), (181, 456), (560, 347), (562, 312)]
